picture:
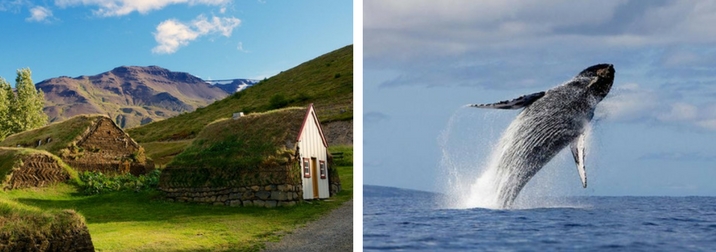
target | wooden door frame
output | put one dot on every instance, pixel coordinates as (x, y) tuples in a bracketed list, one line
[(314, 177)]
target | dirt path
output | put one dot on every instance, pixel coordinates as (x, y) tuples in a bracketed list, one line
[(333, 232)]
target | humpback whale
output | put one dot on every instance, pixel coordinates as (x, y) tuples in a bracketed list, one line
[(550, 121)]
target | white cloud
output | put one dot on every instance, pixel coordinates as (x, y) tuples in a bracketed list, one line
[(108, 8), (240, 47), (633, 103), (701, 116), (13, 5), (172, 34), (39, 14), (679, 112), (709, 124), (628, 102)]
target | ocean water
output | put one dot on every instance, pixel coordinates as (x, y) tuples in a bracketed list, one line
[(405, 220)]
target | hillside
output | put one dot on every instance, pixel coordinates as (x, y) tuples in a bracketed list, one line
[(326, 81), (130, 95)]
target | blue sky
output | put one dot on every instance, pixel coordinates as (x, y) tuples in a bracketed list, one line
[(215, 39), (654, 134)]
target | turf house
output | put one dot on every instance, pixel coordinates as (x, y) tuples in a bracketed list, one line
[(275, 158), (23, 168), (87, 143), (25, 228)]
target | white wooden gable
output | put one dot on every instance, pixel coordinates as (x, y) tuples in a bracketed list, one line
[(313, 150)]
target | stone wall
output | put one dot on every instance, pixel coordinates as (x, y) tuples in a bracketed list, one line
[(270, 186), (338, 132), (261, 196), (37, 170), (334, 181)]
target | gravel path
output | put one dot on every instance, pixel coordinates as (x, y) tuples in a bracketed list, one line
[(333, 232)]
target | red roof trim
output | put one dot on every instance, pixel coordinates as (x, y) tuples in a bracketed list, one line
[(315, 120)]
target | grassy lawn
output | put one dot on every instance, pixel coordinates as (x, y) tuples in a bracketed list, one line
[(128, 221)]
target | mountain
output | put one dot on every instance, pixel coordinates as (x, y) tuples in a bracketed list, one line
[(326, 81), (233, 86), (130, 95)]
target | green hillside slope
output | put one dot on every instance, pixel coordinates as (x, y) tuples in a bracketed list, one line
[(326, 81)]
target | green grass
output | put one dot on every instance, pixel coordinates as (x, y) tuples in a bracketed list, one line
[(19, 220), (347, 150), (128, 221), (326, 81), (62, 134), (163, 152), (247, 142)]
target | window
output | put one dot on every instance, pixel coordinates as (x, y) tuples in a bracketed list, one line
[(306, 168), (323, 169)]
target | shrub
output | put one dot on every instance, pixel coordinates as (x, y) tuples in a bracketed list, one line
[(97, 182), (277, 101)]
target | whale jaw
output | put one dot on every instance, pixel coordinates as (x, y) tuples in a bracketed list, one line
[(603, 78)]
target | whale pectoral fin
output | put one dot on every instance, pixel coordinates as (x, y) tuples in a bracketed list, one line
[(577, 147), (520, 102)]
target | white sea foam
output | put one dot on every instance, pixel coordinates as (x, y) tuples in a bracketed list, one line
[(470, 161)]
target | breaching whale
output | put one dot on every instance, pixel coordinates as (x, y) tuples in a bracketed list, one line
[(550, 121)]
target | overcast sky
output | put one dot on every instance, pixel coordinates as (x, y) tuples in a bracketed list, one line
[(213, 39), (654, 134)]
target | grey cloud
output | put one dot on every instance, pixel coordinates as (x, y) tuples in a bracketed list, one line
[(403, 30), (522, 68), (374, 117)]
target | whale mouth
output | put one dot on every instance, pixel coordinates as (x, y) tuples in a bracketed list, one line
[(600, 85), (607, 71)]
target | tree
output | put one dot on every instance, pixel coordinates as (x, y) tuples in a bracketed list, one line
[(5, 94), (24, 110)]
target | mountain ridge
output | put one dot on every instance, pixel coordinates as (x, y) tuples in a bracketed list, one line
[(130, 95)]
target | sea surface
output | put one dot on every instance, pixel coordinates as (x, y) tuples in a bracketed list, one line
[(405, 220)]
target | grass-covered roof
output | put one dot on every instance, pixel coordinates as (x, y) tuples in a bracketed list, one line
[(11, 158), (61, 134), (18, 221), (253, 140)]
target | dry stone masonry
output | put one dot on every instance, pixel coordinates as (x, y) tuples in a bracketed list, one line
[(268, 196), (108, 149)]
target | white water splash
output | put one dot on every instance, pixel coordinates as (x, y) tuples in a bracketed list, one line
[(470, 159)]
